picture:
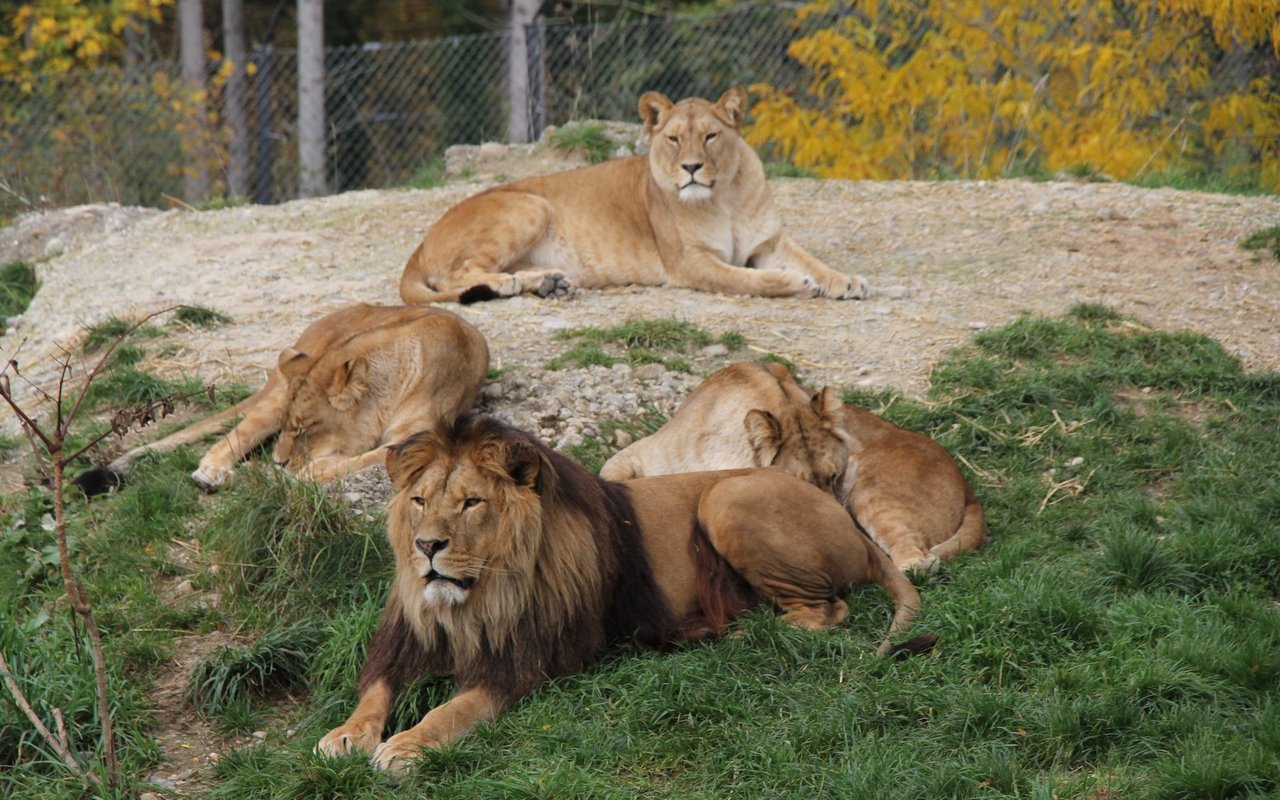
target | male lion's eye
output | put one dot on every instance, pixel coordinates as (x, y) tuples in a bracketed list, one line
[(420, 502), (471, 502)]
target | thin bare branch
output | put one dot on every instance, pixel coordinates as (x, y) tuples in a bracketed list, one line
[(27, 422), (55, 742)]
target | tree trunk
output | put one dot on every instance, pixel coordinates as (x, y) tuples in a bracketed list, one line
[(235, 112), (195, 182), (311, 97), (523, 12)]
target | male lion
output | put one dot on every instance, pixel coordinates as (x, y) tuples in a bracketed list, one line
[(514, 565), (903, 488), (355, 381), (695, 213)]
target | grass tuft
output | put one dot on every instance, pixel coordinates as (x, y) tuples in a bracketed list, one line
[(1266, 239), (229, 678), (638, 342), (18, 285), (588, 137), (200, 317)]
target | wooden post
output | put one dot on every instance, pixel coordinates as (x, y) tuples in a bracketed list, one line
[(523, 12), (195, 181), (234, 99)]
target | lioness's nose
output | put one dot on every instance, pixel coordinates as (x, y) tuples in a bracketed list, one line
[(692, 169), (429, 547)]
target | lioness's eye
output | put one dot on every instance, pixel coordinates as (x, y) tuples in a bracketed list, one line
[(673, 139), (420, 502), (710, 137), (471, 502)]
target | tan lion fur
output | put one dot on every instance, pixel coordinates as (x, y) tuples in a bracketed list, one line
[(903, 488), (695, 213), (515, 566), (355, 381)]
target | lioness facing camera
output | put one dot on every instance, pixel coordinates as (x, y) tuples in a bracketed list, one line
[(514, 566), (695, 213)]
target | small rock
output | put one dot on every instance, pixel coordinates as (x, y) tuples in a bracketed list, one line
[(978, 326), (715, 350), (183, 589), (621, 438), (492, 391), (493, 150), (260, 736), (1109, 214), (556, 324), (352, 497), (895, 292), (649, 372), (292, 732), (1075, 462)]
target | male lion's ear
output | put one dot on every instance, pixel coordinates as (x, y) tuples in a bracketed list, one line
[(405, 459), (652, 104), (826, 404), (764, 432), (291, 362), (733, 105), (524, 465), (349, 383)]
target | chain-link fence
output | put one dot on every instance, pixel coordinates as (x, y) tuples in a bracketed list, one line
[(391, 109), (899, 87)]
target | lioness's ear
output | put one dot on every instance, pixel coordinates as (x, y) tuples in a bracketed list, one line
[(406, 459), (764, 432), (828, 407), (733, 105), (349, 383), (524, 465), (291, 362), (652, 104)]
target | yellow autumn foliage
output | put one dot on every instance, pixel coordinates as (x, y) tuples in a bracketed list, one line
[(980, 88), (56, 36)]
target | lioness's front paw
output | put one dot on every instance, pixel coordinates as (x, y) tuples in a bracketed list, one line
[(922, 565), (555, 286), (211, 476), (396, 754), (796, 284), (845, 287), (346, 739)]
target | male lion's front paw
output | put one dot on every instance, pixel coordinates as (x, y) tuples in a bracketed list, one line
[(845, 287), (555, 286), (396, 754), (346, 739)]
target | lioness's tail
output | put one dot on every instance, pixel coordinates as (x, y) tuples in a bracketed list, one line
[(971, 532), (101, 479), (906, 600)]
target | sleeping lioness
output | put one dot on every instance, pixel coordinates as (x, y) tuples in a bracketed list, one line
[(903, 488), (695, 213)]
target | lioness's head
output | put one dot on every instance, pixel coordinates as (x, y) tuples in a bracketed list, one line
[(693, 144), (807, 441), (322, 395)]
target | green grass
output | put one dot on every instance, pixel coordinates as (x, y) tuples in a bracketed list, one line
[(1265, 239), (230, 678), (638, 342), (429, 176), (588, 137), (199, 317), (18, 285), (101, 334), (1117, 633), (785, 169)]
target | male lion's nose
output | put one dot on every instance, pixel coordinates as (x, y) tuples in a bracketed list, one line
[(429, 547), (692, 169)]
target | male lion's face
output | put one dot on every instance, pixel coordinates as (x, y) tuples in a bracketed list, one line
[(693, 144), (461, 520)]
